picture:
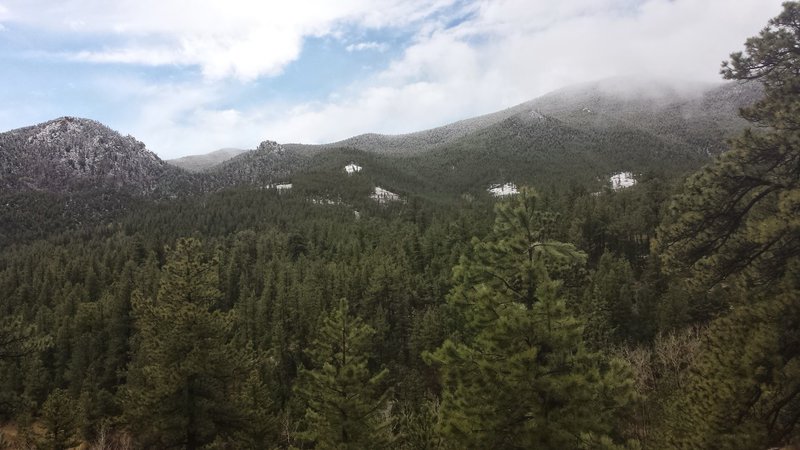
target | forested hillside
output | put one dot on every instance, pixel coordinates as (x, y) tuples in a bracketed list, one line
[(282, 303)]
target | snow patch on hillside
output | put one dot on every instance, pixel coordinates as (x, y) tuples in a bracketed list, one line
[(352, 168), (325, 201), (503, 190), (383, 196), (622, 180)]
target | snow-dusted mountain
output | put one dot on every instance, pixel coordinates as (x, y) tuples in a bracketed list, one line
[(696, 114), (581, 133), (69, 152), (270, 162)]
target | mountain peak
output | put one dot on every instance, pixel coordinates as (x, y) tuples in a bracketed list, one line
[(270, 147), (67, 152)]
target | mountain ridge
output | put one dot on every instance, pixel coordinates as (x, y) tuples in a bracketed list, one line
[(664, 98), (593, 129)]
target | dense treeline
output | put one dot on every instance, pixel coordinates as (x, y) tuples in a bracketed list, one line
[(267, 268), (661, 316)]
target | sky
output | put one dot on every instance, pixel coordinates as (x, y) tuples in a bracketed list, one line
[(192, 76)]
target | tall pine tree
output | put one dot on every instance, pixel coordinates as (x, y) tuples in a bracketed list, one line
[(183, 381), (740, 216), (521, 377), (346, 401), (738, 221)]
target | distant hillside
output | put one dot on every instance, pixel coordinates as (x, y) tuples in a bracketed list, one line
[(576, 136), (70, 153), (697, 114), (69, 171), (527, 149), (411, 143), (267, 164), (535, 149), (198, 163), (581, 134)]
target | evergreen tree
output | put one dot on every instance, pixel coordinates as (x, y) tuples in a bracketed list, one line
[(346, 401), (183, 380), (260, 430), (60, 420), (608, 303), (744, 388), (521, 377), (739, 221), (18, 339), (520, 248), (741, 214)]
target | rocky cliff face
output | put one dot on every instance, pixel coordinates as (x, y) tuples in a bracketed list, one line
[(69, 153)]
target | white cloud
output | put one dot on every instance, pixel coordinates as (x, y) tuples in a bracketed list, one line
[(514, 50), (244, 39), (3, 16), (362, 46), (504, 52)]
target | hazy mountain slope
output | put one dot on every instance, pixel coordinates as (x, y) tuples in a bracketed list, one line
[(527, 148), (68, 153), (539, 150), (700, 116), (579, 135), (697, 114), (197, 163), (411, 143)]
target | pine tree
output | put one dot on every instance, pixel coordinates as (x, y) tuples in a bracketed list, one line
[(18, 339), (260, 430), (741, 214), (608, 304), (521, 376), (345, 399), (60, 420), (744, 388), (738, 221), (183, 380), (518, 251)]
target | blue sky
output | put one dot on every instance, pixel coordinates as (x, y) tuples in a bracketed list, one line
[(192, 76)]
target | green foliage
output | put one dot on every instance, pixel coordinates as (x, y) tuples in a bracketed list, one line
[(522, 377), (519, 251), (221, 341), (60, 420), (739, 215), (734, 232), (744, 387), (416, 425), (18, 339), (609, 303), (183, 380), (346, 402)]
